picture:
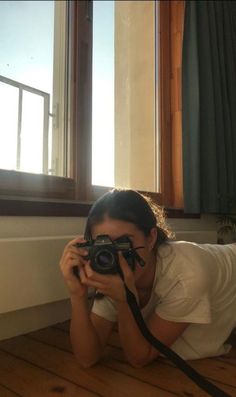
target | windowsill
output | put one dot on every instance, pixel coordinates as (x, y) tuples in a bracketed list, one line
[(15, 206)]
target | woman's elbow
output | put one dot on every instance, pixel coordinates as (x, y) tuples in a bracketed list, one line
[(138, 363), (86, 363), (141, 361)]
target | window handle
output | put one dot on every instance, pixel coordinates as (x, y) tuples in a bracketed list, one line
[(89, 11)]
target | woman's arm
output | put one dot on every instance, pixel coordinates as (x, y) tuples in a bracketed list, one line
[(88, 333), (138, 350)]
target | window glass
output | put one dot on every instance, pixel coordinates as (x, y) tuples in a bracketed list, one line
[(124, 113), (103, 94), (8, 125), (28, 47), (32, 120)]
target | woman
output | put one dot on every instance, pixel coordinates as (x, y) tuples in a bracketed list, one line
[(186, 291)]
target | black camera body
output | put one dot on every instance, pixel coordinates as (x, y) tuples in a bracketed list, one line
[(103, 253)]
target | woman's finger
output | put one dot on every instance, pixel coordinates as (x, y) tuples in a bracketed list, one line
[(76, 240), (128, 275), (95, 276), (67, 249), (126, 270), (92, 283)]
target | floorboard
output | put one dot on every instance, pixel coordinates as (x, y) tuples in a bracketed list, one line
[(41, 364), (5, 392)]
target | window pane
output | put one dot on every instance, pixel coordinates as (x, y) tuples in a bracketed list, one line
[(8, 126), (26, 45), (124, 94), (103, 94), (31, 159), (33, 49)]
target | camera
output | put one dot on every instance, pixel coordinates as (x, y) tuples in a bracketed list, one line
[(103, 253)]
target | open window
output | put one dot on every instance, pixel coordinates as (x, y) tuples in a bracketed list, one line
[(105, 116)]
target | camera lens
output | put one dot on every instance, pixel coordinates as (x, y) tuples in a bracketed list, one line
[(105, 258), (105, 261)]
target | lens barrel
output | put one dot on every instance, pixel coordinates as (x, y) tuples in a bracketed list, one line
[(104, 260)]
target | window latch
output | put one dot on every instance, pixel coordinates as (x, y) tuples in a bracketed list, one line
[(89, 11)]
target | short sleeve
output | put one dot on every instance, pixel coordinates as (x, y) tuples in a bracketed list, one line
[(186, 302), (190, 310), (105, 308), (184, 291)]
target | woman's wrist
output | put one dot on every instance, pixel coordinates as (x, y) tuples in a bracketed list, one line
[(77, 298)]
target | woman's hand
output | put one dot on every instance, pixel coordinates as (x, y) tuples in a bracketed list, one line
[(71, 257), (111, 285), (128, 275)]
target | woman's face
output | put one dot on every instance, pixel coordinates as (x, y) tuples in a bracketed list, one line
[(116, 228)]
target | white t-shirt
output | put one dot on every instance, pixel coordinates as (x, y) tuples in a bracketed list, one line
[(194, 283)]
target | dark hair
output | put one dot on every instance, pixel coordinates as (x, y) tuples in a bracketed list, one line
[(130, 206)]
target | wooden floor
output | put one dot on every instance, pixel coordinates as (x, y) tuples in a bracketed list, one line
[(41, 364)]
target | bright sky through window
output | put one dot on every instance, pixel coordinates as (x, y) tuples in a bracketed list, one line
[(26, 48), (103, 94)]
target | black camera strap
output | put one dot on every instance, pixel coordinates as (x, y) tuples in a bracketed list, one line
[(202, 382)]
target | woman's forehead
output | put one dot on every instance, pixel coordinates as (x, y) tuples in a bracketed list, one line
[(115, 228)]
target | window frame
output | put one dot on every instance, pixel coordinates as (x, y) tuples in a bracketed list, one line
[(45, 195)]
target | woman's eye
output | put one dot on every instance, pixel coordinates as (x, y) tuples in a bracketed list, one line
[(122, 239)]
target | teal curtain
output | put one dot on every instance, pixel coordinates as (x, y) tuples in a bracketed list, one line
[(209, 106)]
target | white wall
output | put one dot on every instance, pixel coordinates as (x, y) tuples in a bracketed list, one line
[(203, 230), (32, 291)]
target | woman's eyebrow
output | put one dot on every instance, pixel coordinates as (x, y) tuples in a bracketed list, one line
[(123, 235)]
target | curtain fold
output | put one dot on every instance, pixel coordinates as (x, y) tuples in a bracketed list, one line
[(209, 106)]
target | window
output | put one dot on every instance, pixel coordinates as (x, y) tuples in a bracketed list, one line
[(136, 147)]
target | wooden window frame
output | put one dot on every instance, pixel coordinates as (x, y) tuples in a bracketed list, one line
[(170, 60), (42, 195)]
